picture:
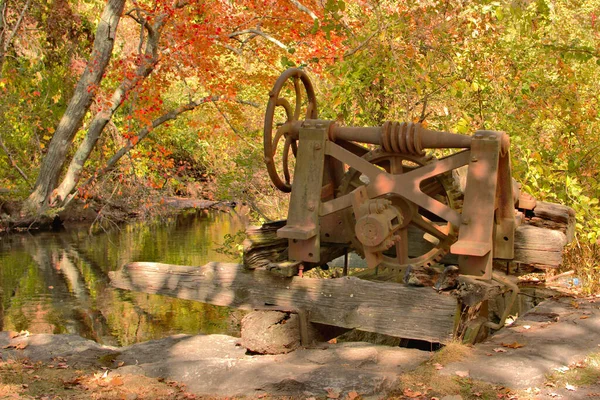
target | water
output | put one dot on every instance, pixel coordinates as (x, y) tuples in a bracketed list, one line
[(58, 282)]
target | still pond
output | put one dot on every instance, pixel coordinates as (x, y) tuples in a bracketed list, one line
[(58, 282)]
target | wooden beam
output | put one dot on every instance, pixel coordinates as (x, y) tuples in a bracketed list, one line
[(389, 308)]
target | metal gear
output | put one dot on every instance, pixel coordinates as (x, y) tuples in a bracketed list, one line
[(442, 187)]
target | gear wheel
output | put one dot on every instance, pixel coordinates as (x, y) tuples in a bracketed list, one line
[(435, 236)]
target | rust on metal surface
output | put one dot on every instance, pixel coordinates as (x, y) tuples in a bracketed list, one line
[(375, 201)]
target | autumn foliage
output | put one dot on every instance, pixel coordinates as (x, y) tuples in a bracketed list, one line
[(181, 102)]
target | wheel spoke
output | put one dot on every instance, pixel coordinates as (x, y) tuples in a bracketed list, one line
[(396, 166), (402, 246), (298, 91), (287, 107), (429, 227), (286, 151), (278, 136)]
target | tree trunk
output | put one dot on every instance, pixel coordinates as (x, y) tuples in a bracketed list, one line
[(78, 106), (100, 120)]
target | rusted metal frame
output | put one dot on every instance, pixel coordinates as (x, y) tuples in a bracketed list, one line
[(505, 224), (303, 227), (405, 185), (475, 238)]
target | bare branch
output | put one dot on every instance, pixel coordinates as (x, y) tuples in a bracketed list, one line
[(351, 52), (231, 125), (13, 163), (260, 33), (305, 9), (171, 115), (17, 25)]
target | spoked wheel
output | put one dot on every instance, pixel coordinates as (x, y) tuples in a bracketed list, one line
[(283, 116), (424, 238)]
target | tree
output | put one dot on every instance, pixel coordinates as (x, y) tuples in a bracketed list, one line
[(78, 105), (213, 49)]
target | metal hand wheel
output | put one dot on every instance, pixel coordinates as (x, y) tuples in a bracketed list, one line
[(292, 115)]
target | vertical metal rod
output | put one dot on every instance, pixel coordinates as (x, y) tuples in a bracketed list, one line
[(345, 272)]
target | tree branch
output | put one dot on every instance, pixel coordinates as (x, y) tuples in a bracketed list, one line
[(230, 124), (351, 52), (142, 134), (260, 33), (13, 163), (5, 42), (305, 9)]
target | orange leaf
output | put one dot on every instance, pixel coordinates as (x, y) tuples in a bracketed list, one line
[(116, 381), (411, 393), (514, 345), (352, 395)]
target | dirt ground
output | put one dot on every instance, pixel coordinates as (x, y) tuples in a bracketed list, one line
[(552, 352)]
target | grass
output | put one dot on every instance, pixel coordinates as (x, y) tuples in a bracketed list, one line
[(428, 381), (582, 373), (584, 260)]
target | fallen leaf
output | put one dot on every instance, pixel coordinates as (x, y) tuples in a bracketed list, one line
[(18, 346), (50, 287), (120, 364), (116, 381), (500, 350), (570, 387), (526, 326), (411, 394), (332, 393), (462, 374), (477, 394), (513, 345), (584, 317), (562, 369), (24, 386), (553, 394), (352, 395), (332, 341), (438, 366), (574, 304)]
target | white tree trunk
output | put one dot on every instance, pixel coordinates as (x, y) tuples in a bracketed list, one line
[(102, 118), (77, 108)]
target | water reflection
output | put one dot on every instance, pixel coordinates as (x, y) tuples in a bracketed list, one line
[(58, 283)]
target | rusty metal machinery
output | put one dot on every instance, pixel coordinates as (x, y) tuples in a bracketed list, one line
[(375, 190)]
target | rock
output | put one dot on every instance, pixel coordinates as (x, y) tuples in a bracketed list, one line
[(215, 365), (45, 347), (271, 332)]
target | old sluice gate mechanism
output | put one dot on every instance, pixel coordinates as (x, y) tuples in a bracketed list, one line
[(377, 192), (442, 238)]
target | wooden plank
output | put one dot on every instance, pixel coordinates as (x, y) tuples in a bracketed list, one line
[(539, 246), (389, 308), (554, 216)]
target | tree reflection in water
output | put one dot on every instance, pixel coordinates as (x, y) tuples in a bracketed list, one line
[(58, 283)]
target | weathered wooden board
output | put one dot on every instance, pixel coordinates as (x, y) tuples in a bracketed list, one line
[(554, 216), (538, 246), (389, 308)]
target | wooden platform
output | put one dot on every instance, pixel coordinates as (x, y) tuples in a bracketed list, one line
[(389, 308)]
